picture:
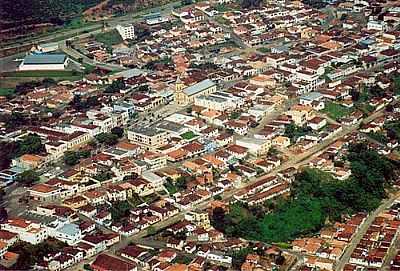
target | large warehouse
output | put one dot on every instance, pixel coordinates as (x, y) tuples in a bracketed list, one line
[(44, 62)]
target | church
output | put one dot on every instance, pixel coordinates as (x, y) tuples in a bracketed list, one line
[(185, 95)]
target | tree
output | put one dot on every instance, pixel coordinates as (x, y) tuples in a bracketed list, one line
[(107, 138), (151, 230), (115, 86), (31, 144), (28, 177), (3, 214), (118, 131), (234, 115), (396, 85), (71, 158)]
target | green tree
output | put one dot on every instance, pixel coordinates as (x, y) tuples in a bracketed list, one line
[(71, 158), (107, 138), (118, 131), (396, 85), (31, 144), (151, 230), (28, 177), (115, 86)]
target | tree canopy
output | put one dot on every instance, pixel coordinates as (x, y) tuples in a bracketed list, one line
[(316, 198)]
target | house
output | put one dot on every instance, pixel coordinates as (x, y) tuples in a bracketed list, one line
[(134, 253), (105, 262), (28, 231), (9, 238), (29, 161), (255, 146), (300, 114), (65, 232), (281, 141), (317, 123), (149, 138), (238, 127), (237, 151), (45, 193)]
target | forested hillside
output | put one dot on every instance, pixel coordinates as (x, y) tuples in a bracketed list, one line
[(42, 11)]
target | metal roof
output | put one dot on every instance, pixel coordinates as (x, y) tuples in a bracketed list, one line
[(45, 59), (199, 87)]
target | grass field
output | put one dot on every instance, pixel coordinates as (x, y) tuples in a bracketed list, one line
[(188, 135), (6, 91), (46, 74), (336, 111), (109, 38)]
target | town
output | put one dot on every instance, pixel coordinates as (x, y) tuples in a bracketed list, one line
[(206, 135)]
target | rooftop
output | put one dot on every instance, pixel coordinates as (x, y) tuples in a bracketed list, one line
[(45, 59), (199, 87)]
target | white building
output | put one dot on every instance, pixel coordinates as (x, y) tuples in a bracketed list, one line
[(65, 232), (254, 145), (44, 62), (219, 100), (377, 25), (28, 231), (126, 31)]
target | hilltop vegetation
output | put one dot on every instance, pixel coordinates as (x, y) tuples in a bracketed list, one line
[(316, 198)]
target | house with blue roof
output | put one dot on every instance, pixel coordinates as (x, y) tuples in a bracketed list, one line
[(64, 231)]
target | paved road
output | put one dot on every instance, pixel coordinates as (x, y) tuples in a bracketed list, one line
[(77, 55), (363, 229)]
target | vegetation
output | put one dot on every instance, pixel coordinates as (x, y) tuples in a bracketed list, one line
[(30, 144), (183, 259), (120, 210), (316, 198), (234, 115), (72, 158), (104, 176), (78, 104), (109, 38), (7, 92), (293, 131), (30, 254), (28, 177), (378, 136), (188, 135), (118, 131), (336, 111), (393, 129), (171, 188), (251, 3), (107, 138), (115, 86), (396, 85), (264, 50), (42, 11), (45, 74)]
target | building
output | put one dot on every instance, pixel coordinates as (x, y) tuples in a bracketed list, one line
[(150, 138), (44, 62), (65, 232), (155, 18), (255, 146), (126, 31), (185, 96), (106, 262), (220, 101), (28, 231)]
